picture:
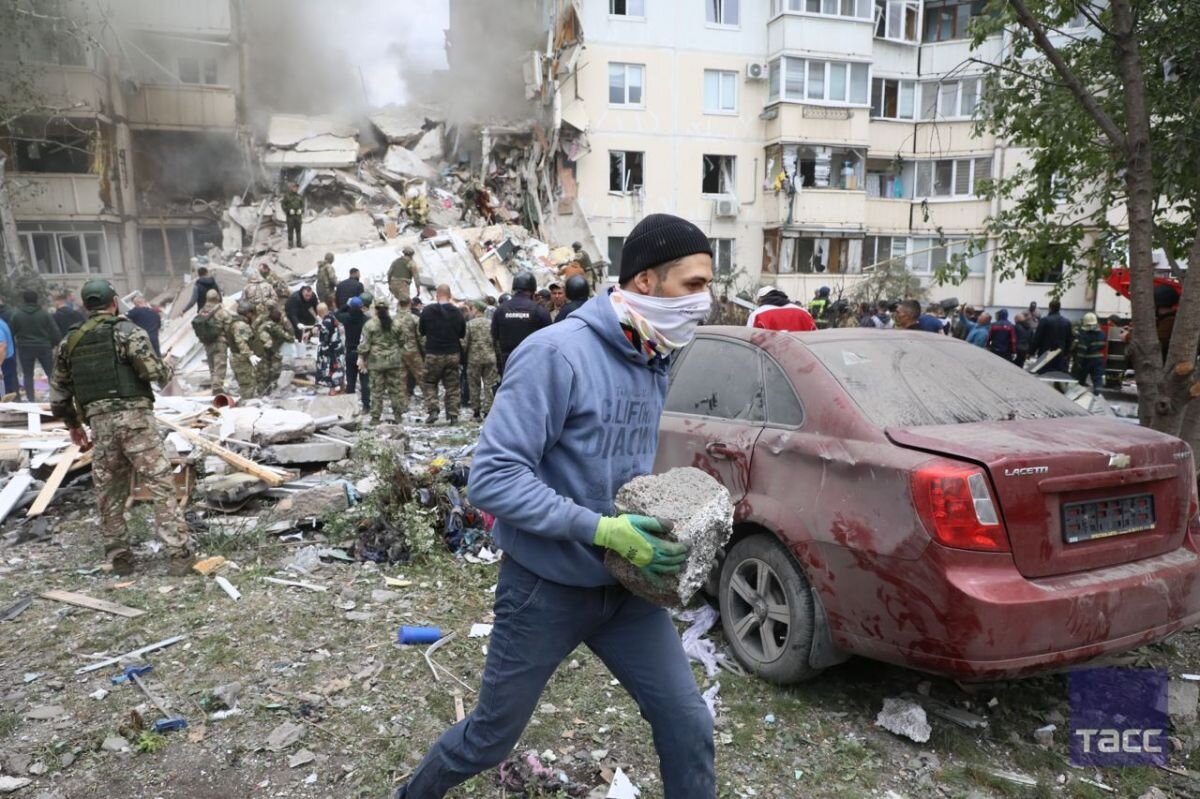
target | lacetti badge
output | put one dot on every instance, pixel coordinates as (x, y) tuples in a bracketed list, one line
[(1119, 461), (1025, 471)]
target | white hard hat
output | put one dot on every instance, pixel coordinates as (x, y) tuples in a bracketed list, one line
[(764, 291)]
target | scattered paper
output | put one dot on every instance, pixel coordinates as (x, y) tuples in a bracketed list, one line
[(622, 788), (480, 630)]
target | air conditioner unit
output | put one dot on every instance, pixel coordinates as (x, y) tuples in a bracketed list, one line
[(727, 206), (757, 71)]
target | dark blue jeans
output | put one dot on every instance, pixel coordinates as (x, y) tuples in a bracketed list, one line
[(11, 385), (538, 624)]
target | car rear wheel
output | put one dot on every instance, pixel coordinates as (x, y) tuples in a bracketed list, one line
[(767, 610)]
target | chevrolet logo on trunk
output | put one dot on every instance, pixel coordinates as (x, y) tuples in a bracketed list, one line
[(1121, 461)]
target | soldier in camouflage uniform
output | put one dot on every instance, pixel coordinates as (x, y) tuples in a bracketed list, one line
[(481, 361), (210, 325), (242, 345), (379, 353), (275, 281), (293, 212), (102, 376), (258, 292), (271, 336), (412, 349), (401, 273), (327, 281)]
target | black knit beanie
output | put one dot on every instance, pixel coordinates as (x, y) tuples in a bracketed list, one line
[(657, 239)]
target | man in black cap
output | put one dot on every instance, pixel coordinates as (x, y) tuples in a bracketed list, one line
[(557, 445)]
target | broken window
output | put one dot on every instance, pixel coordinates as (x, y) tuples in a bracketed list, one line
[(722, 255), (615, 245), (65, 253), (881, 249), (198, 70), (720, 92), (624, 171), (893, 99), (737, 396), (722, 12), (627, 8), (927, 255), (718, 174), (897, 19), (58, 147), (625, 83)]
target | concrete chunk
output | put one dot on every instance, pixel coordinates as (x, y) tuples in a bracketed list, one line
[(231, 489), (902, 717), (701, 513), (307, 452)]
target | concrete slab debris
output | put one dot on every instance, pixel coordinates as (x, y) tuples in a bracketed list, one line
[(903, 717), (231, 490), (306, 452), (317, 501), (403, 161), (284, 736), (265, 425), (701, 513), (1182, 700), (13, 784)]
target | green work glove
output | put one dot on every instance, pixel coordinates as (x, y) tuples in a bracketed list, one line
[(632, 537)]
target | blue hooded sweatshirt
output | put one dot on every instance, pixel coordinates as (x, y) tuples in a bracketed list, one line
[(576, 417)]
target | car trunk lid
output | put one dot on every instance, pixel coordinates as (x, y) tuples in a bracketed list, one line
[(1074, 493)]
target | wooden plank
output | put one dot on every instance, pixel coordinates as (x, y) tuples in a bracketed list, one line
[(55, 480), (163, 644), (460, 712), (85, 601), (14, 489), (242, 464), (34, 422)]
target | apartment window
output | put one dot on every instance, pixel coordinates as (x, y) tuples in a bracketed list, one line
[(718, 174), (615, 245), (67, 253), (835, 82), (624, 171), (927, 255), (201, 71), (1047, 263), (54, 153), (884, 180), (896, 20), (722, 255), (722, 12), (625, 84), (893, 99), (880, 249), (720, 92), (946, 20), (627, 8), (774, 80), (952, 177), (952, 99), (838, 8)]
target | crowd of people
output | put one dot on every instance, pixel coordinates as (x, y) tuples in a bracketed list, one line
[(453, 350), (1077, 349)]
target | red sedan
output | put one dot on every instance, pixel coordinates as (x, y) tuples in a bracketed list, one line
[(914, 499)]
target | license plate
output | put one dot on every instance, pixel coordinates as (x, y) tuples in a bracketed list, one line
[(1101, 518)]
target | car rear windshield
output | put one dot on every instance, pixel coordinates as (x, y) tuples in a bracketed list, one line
[(905, 381)]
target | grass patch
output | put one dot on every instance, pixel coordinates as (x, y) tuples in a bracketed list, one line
[(8, 724)]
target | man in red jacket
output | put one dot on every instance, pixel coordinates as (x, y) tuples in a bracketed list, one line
[(776, 312)]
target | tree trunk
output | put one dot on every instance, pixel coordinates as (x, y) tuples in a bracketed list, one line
[(14, 259), (1139, 204)]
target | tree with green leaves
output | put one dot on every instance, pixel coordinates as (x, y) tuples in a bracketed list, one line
[(888, 280), (1106, 119)]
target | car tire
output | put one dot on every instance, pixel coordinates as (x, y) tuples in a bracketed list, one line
[(767, 610)]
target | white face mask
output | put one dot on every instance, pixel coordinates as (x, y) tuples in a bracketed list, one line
[(673, 319)]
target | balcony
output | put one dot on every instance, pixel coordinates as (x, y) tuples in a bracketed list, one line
[(78, 89), (815, 123), (888, 138), (47, 197), (818, 34), (196, 17), (952, 216), (182, 106), (887, 216), (817, 210)]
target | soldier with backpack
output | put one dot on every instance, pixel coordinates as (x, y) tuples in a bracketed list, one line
[(209, 326)]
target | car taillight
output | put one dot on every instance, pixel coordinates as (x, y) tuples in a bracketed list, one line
[(954, 502)]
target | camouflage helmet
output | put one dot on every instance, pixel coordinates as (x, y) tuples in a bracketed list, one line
[(409, 251), (328, 257), (245, 308), (212, 296), (368, 299), (97, 293)]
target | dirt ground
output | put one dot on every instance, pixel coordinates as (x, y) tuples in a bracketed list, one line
[(368, 708)]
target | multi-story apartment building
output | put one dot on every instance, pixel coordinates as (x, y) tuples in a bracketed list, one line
[(130, 140), (810, 138)]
